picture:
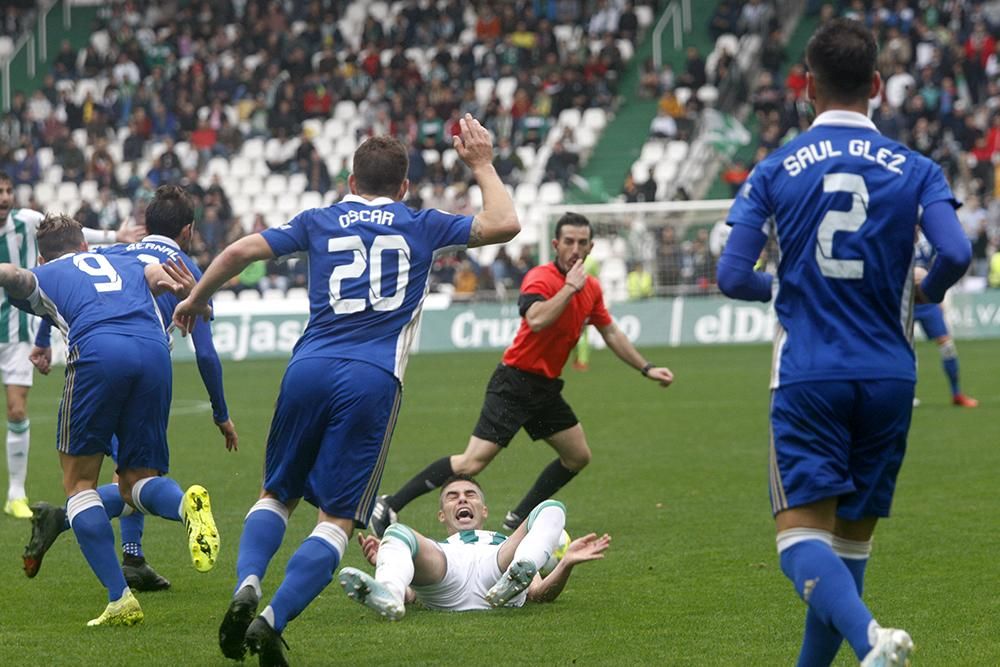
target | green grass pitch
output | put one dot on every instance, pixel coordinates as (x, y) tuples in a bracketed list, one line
[(679, 478)]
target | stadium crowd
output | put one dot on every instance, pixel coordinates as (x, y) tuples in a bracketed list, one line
[(162, 88), (940, 64)]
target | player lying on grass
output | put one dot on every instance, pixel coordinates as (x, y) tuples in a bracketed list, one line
[(169, 221), (118, 381), (473, 568)]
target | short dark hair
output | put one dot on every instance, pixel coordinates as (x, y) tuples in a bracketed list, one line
[(169, 212), (6, 178), (57, 235), (462, 477), (573, 220), (380, 166), (841, 55)]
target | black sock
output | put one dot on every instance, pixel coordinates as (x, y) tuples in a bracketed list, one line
[(423, 482), (554, 477)]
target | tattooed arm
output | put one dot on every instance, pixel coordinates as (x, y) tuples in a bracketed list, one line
[(497, 222), (18, 283)]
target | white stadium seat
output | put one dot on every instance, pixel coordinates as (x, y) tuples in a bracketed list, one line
[(297, 183), (251, 186), (550, 193), (89, 191), (45, 194), (525, 194), (652, 151), (240, 166), (224, 295), (595, 118), (345, 109), (484, 90), (253, 148), (527, 155), (677, 150), (249, 295), (475, 197), (570, 117), (310, 199), (67, 191), (276, 184)]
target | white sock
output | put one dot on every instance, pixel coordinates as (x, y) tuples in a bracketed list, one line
[(18, 434), (394, 566), (545, 527)]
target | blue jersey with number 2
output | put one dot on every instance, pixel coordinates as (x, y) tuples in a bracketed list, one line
[(368, 267), (845, 202)]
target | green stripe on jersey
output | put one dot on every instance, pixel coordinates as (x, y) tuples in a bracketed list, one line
[(23, 333), (5, 303)]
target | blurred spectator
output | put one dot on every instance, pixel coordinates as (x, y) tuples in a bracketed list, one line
[(561, 164), (638, 282)]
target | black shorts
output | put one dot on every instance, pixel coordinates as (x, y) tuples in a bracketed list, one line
[(514, 399)]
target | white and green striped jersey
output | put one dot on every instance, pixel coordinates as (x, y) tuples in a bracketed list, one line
[(19, 246), (483, 537)]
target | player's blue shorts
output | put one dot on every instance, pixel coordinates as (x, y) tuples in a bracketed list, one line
[(931, 318), (330, 435), (839, 439), (117, 386)]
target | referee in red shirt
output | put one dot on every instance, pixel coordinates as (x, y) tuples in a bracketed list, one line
[(557, 301)]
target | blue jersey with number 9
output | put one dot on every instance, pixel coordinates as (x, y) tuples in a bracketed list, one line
[(845, 202), (369, 263), (87, 293)]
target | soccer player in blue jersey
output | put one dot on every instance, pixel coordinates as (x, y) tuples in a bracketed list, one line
[(930, 316), (18, 247), (169, 220), (844, 203), (369, 259), (117, 383)]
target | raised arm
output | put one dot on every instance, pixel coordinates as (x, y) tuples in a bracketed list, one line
[(540, 313), (622, 346), (587, 548), (497, 222), (125, 234)]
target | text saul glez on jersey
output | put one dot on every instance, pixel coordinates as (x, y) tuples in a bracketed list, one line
[(822, 150)]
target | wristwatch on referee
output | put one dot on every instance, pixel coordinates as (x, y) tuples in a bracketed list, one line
[(645, 369)]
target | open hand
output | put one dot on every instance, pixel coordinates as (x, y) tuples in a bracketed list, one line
[(369, 546), (228, 431), (473, 144), (586, 548)]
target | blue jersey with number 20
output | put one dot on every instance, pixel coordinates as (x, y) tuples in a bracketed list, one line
[(845, 202), (368, 267)]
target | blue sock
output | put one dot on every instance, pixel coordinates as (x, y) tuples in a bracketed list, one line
[(160, 496), (97, 540), (131, 528), (820, 642), (826, 584), (110, 498), (263, 530), (309, 571), (951, 370)]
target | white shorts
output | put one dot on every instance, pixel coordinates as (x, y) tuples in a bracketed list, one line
[(15, 366), (472, 571)]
